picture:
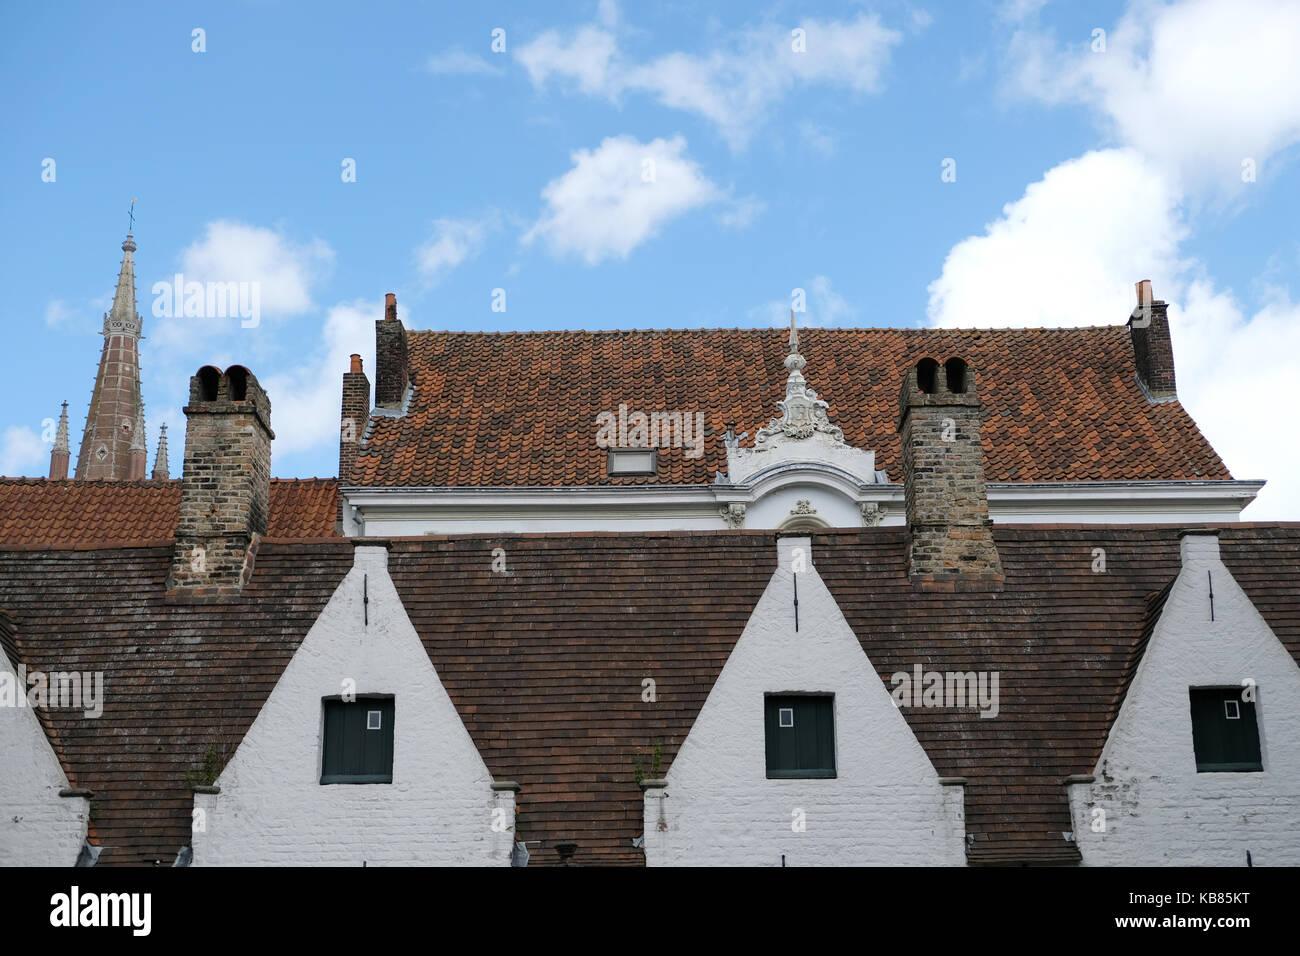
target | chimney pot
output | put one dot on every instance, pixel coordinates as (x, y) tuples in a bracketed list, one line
[(392, 366), (356, 363), (949, 529), (226, 481), (1153, 352)]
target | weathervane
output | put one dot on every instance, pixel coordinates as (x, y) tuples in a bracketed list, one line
[(131, 213)]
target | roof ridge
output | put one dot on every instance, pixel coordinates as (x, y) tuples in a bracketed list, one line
[(521, 333)]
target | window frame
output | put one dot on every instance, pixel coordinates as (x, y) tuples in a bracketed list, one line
[(773, 704), (365, 703), (612, 454), (1213, 700)]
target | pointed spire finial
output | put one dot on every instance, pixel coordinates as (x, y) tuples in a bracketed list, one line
[(803, 414), (160, 462), (61, 436)]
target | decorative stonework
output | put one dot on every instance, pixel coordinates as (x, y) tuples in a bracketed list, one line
[(733, 514), (802, 436), (802, 507), (872, 514), (802, 412)]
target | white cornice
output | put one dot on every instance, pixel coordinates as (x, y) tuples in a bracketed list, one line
[(520, 500)]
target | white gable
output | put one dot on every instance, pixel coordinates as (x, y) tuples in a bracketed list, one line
[(885, 805), (37, 826), (438, 810), (1155, 807)]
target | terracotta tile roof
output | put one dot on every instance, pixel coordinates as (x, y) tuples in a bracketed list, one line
[(34, 511), (178, 679), (501, 409), (545, 664)]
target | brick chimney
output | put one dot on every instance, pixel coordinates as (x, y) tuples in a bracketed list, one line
[(392, 368), (355, 415), (1153, 352), (225, 483), (951, 535)]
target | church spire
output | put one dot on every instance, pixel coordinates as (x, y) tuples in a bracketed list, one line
[(115, 402), (160, 461), (60, 455)]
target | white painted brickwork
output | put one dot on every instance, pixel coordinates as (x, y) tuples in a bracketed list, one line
[(37, 826), (1158, 809), (438, 810), (886, 806)]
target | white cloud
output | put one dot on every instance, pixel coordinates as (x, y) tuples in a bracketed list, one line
[(732, 85), (22, 452), (236, 252), (453, 242), (1015, 11), (823, 306), (460, 63), (305, 399), (741, 213), (1234, 372), (65, 316), (285, 272), (1068, 253), (58, 314), (817, 137), (1199, 86), (618, 195)]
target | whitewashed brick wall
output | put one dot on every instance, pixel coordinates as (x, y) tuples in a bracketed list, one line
[(37, 826), (272, 808), (885, 806), (1158, 809)]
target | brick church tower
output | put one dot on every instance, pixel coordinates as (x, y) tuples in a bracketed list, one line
[(110, 445)]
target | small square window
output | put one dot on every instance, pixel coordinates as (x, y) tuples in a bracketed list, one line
[(800, 732), (358, 743), (1225, 735), (632, 461)]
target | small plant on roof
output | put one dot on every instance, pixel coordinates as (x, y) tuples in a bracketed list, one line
[(205, 775), (656, 764)]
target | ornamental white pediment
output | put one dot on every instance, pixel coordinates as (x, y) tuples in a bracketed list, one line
[(803, 433)]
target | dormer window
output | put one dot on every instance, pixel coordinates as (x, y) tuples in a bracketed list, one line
[(627, 462)]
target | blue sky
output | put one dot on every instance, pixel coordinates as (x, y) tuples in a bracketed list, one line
[(1079, 170)]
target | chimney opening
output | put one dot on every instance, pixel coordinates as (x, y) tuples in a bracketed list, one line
[(955, 372), (238, 376), (927, 374), (209, 381)]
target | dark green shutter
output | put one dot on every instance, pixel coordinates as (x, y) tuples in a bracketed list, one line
[(1222, 743), (806, 749), (352, 752)]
